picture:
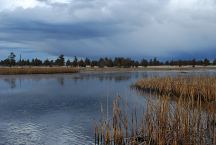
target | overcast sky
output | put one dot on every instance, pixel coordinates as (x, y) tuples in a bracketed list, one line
[(93, 28)]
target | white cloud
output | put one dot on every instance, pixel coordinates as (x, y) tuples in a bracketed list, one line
[(11, 5), (193, 4)]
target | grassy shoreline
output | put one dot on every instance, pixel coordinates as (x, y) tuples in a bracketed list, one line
[(57, 69), (36, 70)]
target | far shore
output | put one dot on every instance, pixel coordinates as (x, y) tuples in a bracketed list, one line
[(15, 70), (149, 68)]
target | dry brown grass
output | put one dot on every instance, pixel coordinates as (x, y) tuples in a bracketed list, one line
[(189, 87), (162, 123), (36, 70)]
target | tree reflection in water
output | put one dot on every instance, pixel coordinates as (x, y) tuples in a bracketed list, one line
[(11, 82)]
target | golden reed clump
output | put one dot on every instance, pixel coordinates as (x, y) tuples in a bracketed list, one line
[(165, 122), (161, 123), (189, 87), (36, 70)]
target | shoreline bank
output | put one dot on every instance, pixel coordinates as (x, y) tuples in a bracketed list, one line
[(58, 70), (150, 68), (36, 70)]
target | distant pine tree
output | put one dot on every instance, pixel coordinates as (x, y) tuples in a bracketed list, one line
[(11, 59)]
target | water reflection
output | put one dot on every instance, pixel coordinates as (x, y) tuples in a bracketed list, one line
[(34, 109), (60, 80), (15, 81), (11, 82), (103, 77)]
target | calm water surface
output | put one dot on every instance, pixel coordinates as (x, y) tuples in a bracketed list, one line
[(62, 109)]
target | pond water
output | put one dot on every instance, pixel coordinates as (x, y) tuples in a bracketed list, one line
[(62, 109)]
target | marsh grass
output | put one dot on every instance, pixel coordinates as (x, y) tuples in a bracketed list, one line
[(195, 88), (164, 121), (36, 70), (161, 123)]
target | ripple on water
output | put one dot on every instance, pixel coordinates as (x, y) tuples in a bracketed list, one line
[(61, 109), (18, 133)]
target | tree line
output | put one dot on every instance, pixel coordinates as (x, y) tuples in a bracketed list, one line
[(102, 62)]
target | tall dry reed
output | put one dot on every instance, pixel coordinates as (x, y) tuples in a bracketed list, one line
[(162, 123)]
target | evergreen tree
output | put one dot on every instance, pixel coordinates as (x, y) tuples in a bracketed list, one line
[(75, 62), (144, 63), (81, 63), (101, 63), (47, 63), (87, 61), (11, 59), (108, 62), (206, 62), (94, 63), (68, 63), (155, 62), (36, 62), (60, 60)]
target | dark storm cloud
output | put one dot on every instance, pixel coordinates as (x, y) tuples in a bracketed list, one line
[(110, 28), (32, 30)]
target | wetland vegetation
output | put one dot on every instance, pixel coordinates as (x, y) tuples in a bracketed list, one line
[(36, 70), (190, 87), (163, 121)]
